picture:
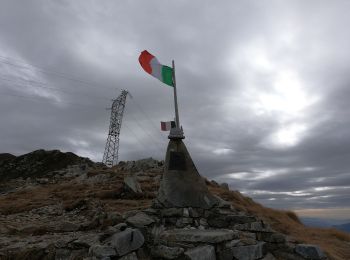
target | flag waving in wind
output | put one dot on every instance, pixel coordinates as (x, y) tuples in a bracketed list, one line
[(152, 66)]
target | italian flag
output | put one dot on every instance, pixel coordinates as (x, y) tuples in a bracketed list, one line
[(166, 126), (152, 66)]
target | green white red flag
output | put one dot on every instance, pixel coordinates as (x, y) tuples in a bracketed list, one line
[(152, 66)]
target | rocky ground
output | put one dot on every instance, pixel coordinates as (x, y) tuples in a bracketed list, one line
[(60, 206)]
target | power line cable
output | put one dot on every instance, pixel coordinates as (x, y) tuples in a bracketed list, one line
[(146, 116), (155, 142), (12, 62), (45, 86), (138, 140), (46, 101)]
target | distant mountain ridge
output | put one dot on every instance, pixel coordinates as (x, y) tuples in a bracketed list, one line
[(340, 224), (37, 163), (6, 156), (344, 227)]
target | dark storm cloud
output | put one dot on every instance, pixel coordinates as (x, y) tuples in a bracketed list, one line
[(263, 87)]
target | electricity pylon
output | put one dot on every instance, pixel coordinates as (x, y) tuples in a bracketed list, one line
[(110, 156)]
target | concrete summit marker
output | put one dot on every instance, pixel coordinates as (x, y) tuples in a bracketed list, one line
[(182, 185)]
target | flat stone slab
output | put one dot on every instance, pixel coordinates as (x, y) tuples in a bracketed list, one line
[(140, 220), (201, 253), (195, 235)]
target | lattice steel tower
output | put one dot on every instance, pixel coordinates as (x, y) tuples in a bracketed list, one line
[(110, 156)]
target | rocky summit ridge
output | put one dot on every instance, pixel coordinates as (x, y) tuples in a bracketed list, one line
[(57, 205)]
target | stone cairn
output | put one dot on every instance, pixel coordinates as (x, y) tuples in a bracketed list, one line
[(187, 222)]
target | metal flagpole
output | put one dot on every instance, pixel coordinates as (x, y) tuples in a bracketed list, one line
[(175, 99), (176, 133)]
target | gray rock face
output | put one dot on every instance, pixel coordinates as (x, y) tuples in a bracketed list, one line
[(167, 252), (141, 165), (126, 241), (182, 186), (310, 251), (195, 235), (251, 252), (132, 184), (201, 253), (140, 220)]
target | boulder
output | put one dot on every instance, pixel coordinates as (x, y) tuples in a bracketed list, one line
[(250, 252), (126, 241), (310, 251), (132, 184), (140, 220), (147, 163), (206, 252)]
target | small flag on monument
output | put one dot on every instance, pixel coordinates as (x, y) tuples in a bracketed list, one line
[(166, 126), (152, 66)]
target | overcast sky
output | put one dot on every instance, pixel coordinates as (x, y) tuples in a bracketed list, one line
[(263, 88)]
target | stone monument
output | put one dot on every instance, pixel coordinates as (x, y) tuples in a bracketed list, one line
[(181, 185)]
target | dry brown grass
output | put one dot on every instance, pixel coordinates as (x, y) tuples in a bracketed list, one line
[(72, 194), (25, 200)]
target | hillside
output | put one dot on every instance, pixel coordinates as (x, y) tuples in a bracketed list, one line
[(6, 156), (36, 164), (50, 199)]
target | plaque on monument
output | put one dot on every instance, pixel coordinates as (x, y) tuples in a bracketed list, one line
[(177, 161)]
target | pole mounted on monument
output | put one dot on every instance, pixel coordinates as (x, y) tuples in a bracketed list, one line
[(175, 97), (177, 132)]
